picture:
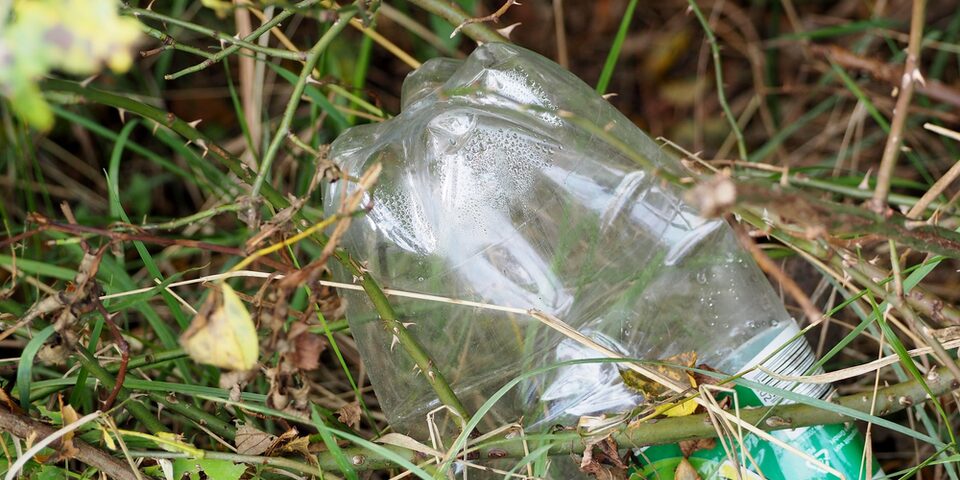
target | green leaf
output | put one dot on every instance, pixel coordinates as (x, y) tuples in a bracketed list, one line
[(213, 469)]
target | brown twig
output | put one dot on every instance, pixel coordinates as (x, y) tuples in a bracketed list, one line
[(911, 74), (493, 17), (122, 345), (886, 72), (25, 427), (46, 224)]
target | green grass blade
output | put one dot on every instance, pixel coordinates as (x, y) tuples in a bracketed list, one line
[(611, 62)]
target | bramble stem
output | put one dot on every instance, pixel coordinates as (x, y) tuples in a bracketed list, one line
[(889, 400), (311, 61), (278, 201), (454, 15)]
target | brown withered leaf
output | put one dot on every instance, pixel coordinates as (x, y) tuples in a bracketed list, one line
[(251, 441), (685, 471), (703, 379), (300, 445), (54, 354), (11, 405), (307, 348), (281, 442), (349, 414), (67, 449), (690, 446), (602, 460), (650, 389)]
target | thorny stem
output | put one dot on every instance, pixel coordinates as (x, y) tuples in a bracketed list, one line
[(137, 409), (718, 71), (311, 61), (233, 48), (914, 320), (169, 42), (122, 345), (223, 37), (142, 413), (279, 202), (82, 230), (26, 428), (454, 15), (911, 74), (887, 401)]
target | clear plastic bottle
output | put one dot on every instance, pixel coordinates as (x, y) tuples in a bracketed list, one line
[(490, 193)]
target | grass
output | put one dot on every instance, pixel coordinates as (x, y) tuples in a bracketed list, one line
[(170, 200)]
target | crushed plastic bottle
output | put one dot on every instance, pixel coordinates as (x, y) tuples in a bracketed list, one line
[(490, 193)]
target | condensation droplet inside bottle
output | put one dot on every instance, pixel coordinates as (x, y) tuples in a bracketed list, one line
[(701, 277)]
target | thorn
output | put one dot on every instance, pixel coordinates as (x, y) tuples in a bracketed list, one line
[(393, 342), (408, 324), (918, 77), (202, 144), (86, 81), (608, 96), (123, 115), (156, 125), (506, 31), (195, 122), (150, 5), (865, 183)]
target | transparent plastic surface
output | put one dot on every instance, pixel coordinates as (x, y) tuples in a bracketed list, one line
[(489, 193)]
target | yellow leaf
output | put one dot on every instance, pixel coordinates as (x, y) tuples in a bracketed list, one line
[(222, 333), (686, 407), (107, 439)]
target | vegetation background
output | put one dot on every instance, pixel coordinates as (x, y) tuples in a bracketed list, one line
[(835, 120)]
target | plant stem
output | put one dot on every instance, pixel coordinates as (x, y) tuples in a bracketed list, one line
[(170, 42), (142, 414), (249, 39), (25, 428), (718, 71), (222, 37), (887, 401), (454, 15), (279, 202), (311, 61), (137, 409), (911, 74)]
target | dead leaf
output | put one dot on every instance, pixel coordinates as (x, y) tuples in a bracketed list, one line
[(602, 460), (67, 449), (251, 441), (307, 348), (685, 471), (280, 443), (53, 355), (704, 379), (300, 445), (5, 398), (349, 414), (690, 446)]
